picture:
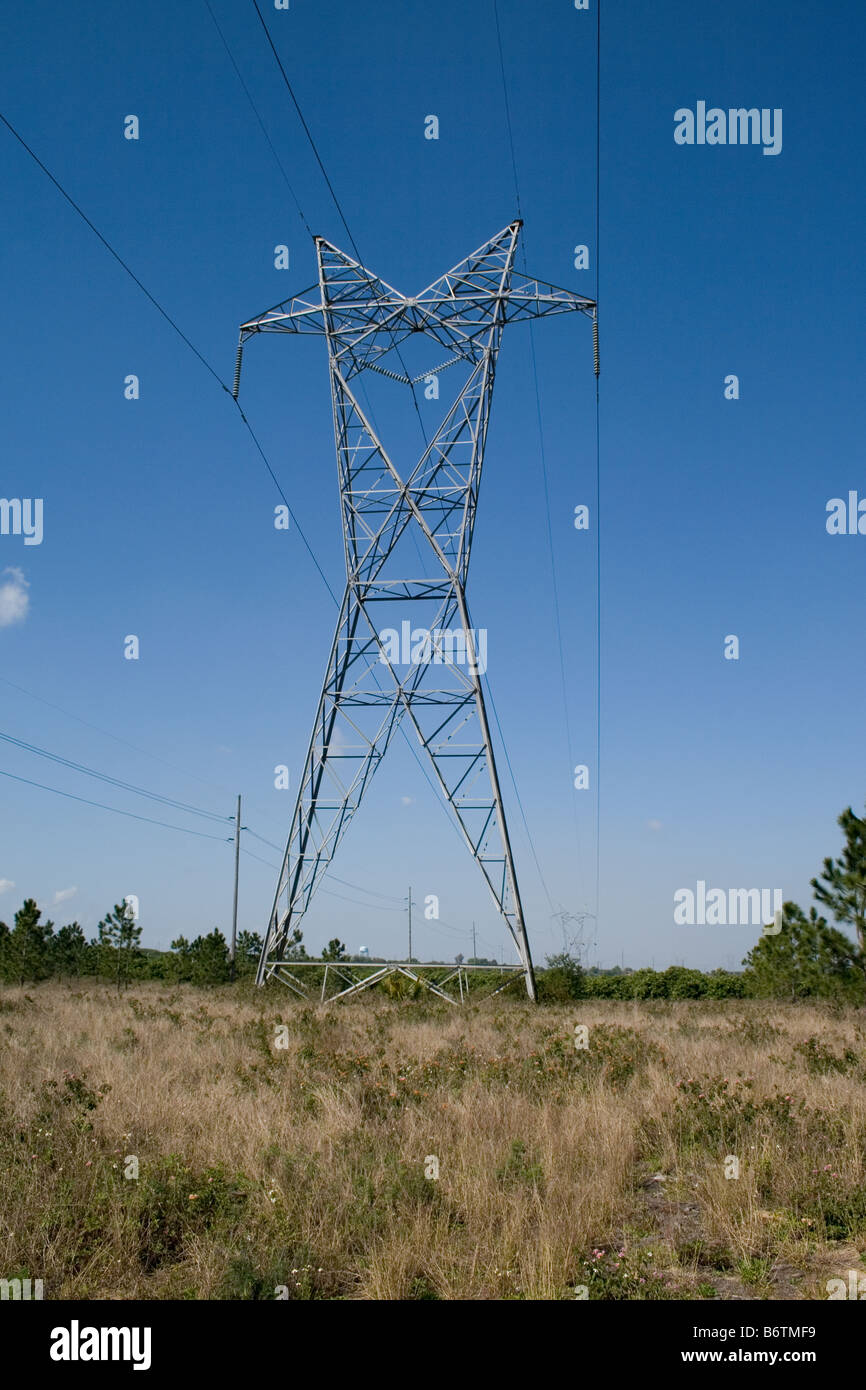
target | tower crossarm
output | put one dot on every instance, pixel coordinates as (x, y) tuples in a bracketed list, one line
[(364, 317), (454, 316), (465, 313), (300, 314)]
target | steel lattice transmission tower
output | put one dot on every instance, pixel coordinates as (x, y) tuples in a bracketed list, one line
[(364, 698)]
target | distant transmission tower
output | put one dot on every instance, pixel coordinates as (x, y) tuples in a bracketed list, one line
[(364, 699)]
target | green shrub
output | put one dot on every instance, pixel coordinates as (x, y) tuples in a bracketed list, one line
[(172, 1204), (562, 980)]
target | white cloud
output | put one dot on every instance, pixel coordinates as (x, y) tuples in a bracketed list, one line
[(6, 884), (14, 598), (406, 800), (62, 895), (654, 825)]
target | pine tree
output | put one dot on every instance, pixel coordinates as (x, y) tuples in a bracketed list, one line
[(118, 944), (70, 952), (842, 885), (249, 949), (26, 949), (210, 959), (179, 966), (807, 958)]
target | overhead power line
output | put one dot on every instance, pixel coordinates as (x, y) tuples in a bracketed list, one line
[(201, 358), (262, 126), (112, 781), (122, 741), (597, 467), (307, 130), (202, 835), (389, 897), (178, 330), (374, 907), (111, 251), (337, 204), (543, 458), (354, 246)]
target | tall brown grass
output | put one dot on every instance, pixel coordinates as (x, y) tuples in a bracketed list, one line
[(301, 1168)]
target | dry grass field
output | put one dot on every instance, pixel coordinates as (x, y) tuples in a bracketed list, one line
[(302, 1167)]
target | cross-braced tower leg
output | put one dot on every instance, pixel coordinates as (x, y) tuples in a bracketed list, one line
[(354, 724), (456, 734)]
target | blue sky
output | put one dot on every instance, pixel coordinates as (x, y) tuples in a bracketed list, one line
[(158, 512)]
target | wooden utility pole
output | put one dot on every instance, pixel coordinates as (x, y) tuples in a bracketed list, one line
[(235, 907)]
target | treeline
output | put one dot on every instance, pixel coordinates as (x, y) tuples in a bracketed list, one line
[(33, 950), (565, 979), (806, 958)]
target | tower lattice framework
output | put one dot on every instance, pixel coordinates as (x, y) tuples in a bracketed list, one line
[(364, 697)]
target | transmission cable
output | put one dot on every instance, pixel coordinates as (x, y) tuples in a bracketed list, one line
[(597, 468), (122, 741), (279, 849), (110, 249), (336, 201), (201, 834), (112, 781), (354, 246), (544, 471), (309, 231), (374, 907), (262, 127), (179, 331)]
